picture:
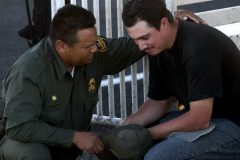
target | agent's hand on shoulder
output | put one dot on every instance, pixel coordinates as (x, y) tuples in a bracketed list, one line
[(188, 15), (88, 141)]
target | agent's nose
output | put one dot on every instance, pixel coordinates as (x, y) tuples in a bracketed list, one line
[(94, 48)]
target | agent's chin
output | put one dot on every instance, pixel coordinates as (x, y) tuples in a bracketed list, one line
[(89, 61)]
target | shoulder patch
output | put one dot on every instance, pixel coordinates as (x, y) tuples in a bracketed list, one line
[(102, 44)]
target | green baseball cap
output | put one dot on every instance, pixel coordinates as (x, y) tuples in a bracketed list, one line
[(129, 142)]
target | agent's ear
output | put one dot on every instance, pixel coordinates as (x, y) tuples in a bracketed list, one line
[(60, 46)]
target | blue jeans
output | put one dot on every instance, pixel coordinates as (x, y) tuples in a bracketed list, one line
[(222, 143)]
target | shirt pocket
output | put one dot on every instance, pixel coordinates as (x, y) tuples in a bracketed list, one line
[(53, 113)]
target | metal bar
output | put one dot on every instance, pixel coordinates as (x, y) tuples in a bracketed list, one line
[(111, 104), (145, 77), (85, 4), (73, 2), (134, 88), (169, 4), (119, 18), (123, 98), (108, 18), (110, 78), (123, 104), (99, 104), (55, 5), (96, 14)]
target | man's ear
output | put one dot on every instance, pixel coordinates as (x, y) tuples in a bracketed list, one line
[(164, 23), (60, 46)]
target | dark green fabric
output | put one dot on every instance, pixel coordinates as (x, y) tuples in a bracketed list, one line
[(15, 150), (128, 142), (45, 104), (2, 128)]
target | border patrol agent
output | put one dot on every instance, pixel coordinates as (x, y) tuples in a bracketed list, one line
[(46, 104)]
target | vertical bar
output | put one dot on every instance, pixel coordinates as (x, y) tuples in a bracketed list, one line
[(85, 4), (55, 5), (99, 104), (73, 2), (108, 18), (110, 78), (53, 8), (145, 77), (121, 74), (134, 88), (119, 18), (169, 4), (96, 14), (123, 95)]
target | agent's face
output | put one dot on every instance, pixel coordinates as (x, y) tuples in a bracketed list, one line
[(82, 52), (148, 38)]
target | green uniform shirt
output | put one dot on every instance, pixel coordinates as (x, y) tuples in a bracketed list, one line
[(45, 104)]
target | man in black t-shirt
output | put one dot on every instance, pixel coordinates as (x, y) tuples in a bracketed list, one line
[(200, 67)]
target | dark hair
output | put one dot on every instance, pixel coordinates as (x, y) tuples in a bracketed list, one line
[(151, 11), (68, 20)]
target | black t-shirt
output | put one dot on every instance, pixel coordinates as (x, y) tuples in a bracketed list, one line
[(202, 63)]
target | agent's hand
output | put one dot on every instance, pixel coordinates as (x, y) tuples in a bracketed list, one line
[(188, 15), (88, 141)]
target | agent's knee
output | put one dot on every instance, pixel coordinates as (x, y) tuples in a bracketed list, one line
[(36, 152), (14, 150)]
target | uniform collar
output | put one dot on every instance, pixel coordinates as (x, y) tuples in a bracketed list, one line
[(58, 64), (72, 73)]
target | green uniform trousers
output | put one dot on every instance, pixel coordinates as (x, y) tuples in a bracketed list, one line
[(14, 150)]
